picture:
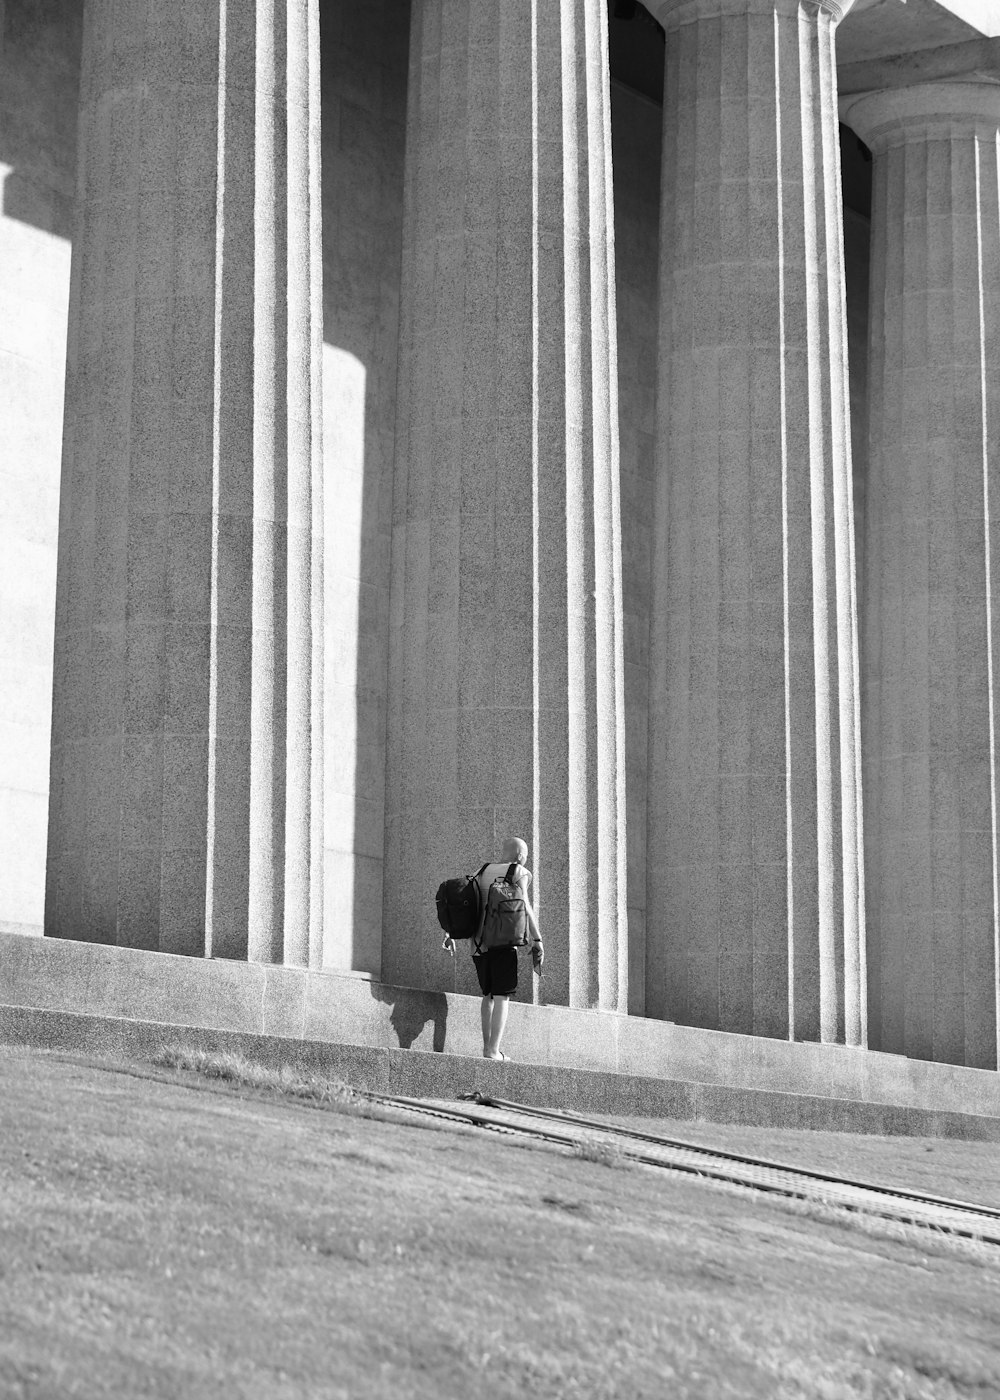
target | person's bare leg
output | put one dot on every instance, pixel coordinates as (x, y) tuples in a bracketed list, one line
[(486, 1012), (498, 1020)]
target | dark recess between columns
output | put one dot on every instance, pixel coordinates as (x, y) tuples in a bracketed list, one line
[(636, 42)]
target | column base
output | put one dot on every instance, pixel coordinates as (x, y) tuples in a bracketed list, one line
[(126, 1003)]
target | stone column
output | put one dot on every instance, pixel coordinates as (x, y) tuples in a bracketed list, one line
[(755, 903), (505, 662), (932, 576), (185, 785)]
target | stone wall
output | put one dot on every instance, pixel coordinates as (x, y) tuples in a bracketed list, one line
[(365, 51), (39, 79)]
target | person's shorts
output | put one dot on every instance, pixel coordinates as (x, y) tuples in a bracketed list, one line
[(496, 969)]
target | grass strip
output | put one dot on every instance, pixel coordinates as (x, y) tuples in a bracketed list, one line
[(312, 1090), (249, 1074), (606, 1152), (335, 1094)]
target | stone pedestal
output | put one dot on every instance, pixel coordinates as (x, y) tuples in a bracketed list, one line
[(505, 662), (185, 783), (755, 904), (932, 574)]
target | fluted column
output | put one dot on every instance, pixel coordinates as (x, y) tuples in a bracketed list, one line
[(505, 664), (932, 572), (185, 808), (755, 898)]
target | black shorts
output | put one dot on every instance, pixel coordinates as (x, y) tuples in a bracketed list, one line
[(496, 969)]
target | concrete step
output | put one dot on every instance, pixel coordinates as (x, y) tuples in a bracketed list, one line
[(127, 1002), (427, 1074)]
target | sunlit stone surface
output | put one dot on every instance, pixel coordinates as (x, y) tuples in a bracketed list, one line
[(506, 709), (185, 808), (590, 564), (932, 569), (754, 821)]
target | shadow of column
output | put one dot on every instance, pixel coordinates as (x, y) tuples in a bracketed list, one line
[(364, 80)]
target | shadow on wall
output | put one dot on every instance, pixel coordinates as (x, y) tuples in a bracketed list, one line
[(40, 48), (412, 1012), (365, 52)]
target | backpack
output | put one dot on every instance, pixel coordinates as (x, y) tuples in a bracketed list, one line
[(506, 923), (460, 906)]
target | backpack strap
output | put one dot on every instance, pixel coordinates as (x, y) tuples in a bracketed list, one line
[(480, 872), (479, 889), (509, 877)]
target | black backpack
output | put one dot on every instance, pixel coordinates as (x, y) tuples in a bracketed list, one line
[(460, 905)]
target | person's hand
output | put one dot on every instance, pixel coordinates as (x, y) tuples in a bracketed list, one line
[(449, 944), (537, 956)]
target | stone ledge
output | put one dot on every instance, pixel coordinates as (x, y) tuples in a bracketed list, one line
[(427, 1075), (331, 1008)]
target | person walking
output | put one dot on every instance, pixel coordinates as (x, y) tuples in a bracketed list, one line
[(496, 967)]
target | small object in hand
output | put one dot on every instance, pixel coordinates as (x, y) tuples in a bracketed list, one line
[(448, 944)]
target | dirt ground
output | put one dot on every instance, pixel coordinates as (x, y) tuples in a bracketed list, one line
[(163, 1236)]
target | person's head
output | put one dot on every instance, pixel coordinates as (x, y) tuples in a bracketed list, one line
[(515, 849)]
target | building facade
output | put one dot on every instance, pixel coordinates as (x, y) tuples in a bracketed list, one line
[(430, 422)]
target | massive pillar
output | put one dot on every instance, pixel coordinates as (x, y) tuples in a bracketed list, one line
[(932, 573), (505, 662), (185, 788), (755, 905)]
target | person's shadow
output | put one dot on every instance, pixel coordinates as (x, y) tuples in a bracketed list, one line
[(411, 1011)]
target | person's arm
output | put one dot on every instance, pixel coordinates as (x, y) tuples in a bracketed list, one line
[(536, 937)]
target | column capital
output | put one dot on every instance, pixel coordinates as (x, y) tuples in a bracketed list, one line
[(899, 115), (674, 14)]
